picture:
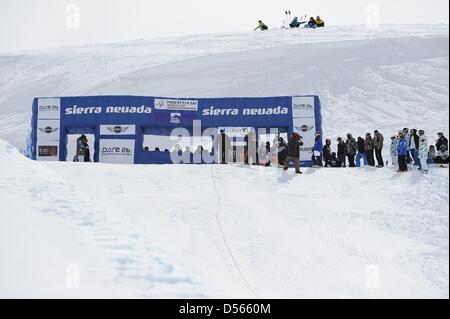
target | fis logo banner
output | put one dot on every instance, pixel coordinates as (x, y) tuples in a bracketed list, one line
[(116, 129), (176, 105)]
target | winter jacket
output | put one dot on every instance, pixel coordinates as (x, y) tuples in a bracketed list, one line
[(261, 26), (81, 146), (320, 23), (368, 144), (414, 139), (312, 23), (341, 149), (402, 148), (378, 141), (423, 147), (294, 148), (318, 145), (441, 141), (326, 152), (352, 146), (361, 147), (334, 162)]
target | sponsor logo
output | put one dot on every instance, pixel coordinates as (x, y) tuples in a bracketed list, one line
[(79, 110), (118, 129), (212, 111), (304, 128), (48, 151), (116, 150), (48, 129), (303, 106), (48, 108), (306, 149), (179, 105), (175, 118)]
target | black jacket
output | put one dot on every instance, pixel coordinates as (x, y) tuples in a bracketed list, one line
[(361, 145), (334, 162), (341, 149), (294, 148), (326, 152), (441, 141)]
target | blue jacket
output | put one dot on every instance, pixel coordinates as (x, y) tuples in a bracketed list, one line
[(318, 146), (402, 147)]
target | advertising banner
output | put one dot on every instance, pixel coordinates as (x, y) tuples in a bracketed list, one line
[(115, 129), (176, 105), (116, 151)]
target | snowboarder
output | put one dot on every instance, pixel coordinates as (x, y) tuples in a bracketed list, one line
[(361, 153), (393, 149), (378, 142), (402, 150), (294, 152), (442, 140), (423, 151), (352, 148), (368, 149), (326, 151), (341, 154), (282, 151), (261, 26), (317, 150)]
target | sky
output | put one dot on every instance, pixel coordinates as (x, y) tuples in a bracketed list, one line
[(35, 24)]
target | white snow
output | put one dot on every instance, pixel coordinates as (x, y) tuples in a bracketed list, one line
[(231, 231)]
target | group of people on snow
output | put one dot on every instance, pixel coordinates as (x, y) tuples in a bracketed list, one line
[(410, 147), (296, 23)]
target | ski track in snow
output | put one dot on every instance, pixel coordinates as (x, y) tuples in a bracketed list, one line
[(232, 231)]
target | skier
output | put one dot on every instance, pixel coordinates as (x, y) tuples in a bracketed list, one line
[(317, 150), (261, 26), (319, 22), (414, 146), (402, 150), (352, 148), (394, 154), (442, 140), (295, 23), (341, 154), (361, 153), (378, 142), (294, 152), (326, 151), (423, 151), (368, 149), (311, 23), (334, 161)]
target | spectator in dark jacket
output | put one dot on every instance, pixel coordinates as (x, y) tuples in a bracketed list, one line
[(352, 148), (442, 140), (342, 151), (317, 150), (368, 149), (378, 143), (334, 161), (294, 153), (326, 151), (413, 145), (361, 153)]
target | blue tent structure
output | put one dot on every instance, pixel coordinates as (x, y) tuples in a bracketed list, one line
[(120, 123)]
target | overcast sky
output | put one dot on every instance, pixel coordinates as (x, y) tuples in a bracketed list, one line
[(30, 24)]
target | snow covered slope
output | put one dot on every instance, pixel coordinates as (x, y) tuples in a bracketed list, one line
[(386, 79), (231, 231)]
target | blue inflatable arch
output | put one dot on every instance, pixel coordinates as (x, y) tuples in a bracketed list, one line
[(119, 123)]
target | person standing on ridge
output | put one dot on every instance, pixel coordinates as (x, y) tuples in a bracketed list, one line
[(326, 151), (361, 153), (341, 153), (317, 150), (378, 142), (261, 26), (368, 149), (423, 152), (402, 150), (352, 148)]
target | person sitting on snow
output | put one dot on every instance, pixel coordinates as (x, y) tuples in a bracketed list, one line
[(311, 23), (442, 140), (295, 23), (319, 22), (334, 161), (442, 155), (261, 26)]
